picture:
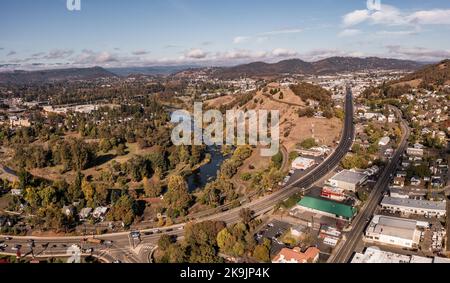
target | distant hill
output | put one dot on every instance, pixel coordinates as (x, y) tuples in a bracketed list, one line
[(45, 76), (151, 71), (432, 75), (326, 66)]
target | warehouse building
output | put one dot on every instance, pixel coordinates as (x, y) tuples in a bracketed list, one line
[(394, 231), (413, 206), (327, 208), (348, 180)]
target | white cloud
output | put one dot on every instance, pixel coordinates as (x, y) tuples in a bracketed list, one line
[(241, 54), (240, 39), (264, 36), (140, 52), (431, 17), (281, 52), (355, 17), (282, 31), (57, 54), (418, 53), (349, 32), (320, 54), (90, 57), (392, 16), (196, 54)]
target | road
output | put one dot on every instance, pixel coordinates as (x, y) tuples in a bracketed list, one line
[(344, 252), (260, 207)]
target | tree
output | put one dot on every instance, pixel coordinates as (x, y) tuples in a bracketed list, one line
[(123, 210), (225, 240), (177, 197), (246, 215), (152, 187), (308, 143), (164, 242), (262, 253), (88, 192)]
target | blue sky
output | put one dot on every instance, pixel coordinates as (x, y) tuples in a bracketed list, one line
[(45, 34)]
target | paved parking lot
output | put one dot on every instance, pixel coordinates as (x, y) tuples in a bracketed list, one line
[(273, 231)]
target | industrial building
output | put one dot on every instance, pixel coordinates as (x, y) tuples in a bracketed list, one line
[(413, 206), (394, 231), (348, 180), (327, 208)]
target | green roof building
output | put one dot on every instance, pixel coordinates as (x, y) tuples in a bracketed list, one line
[(328, 207)]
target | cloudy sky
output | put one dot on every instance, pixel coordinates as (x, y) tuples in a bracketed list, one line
[(114, 33)]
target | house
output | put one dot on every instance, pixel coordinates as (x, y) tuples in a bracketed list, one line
[(297, 231), (311, 255), (384, 141), (399, 182), (348, 180), (16, 192), (415, 181), (100, 212), (85, 213), (68, 210), (391, 118)]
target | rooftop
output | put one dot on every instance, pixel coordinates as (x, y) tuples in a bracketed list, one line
[(375, 255), (328, 206), (349, 177), (395, 227), (296, 256), (413, 203)]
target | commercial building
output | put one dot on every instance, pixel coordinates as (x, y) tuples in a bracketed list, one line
[(327, 208), (393, 231), (348, 180), (412, 151), (311, 255), (333, 193), (302, 163), (376, 255), (413, 206)]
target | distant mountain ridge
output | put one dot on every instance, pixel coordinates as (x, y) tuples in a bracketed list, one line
[(46, 76), (326, 66), (153, 70)]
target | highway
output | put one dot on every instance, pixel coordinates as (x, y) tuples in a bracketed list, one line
[(122, 250), (344, 252)]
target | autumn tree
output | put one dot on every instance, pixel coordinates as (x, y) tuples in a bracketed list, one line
[(177, 198)]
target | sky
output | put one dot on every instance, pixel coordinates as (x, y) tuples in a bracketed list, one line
[(119, 33)]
